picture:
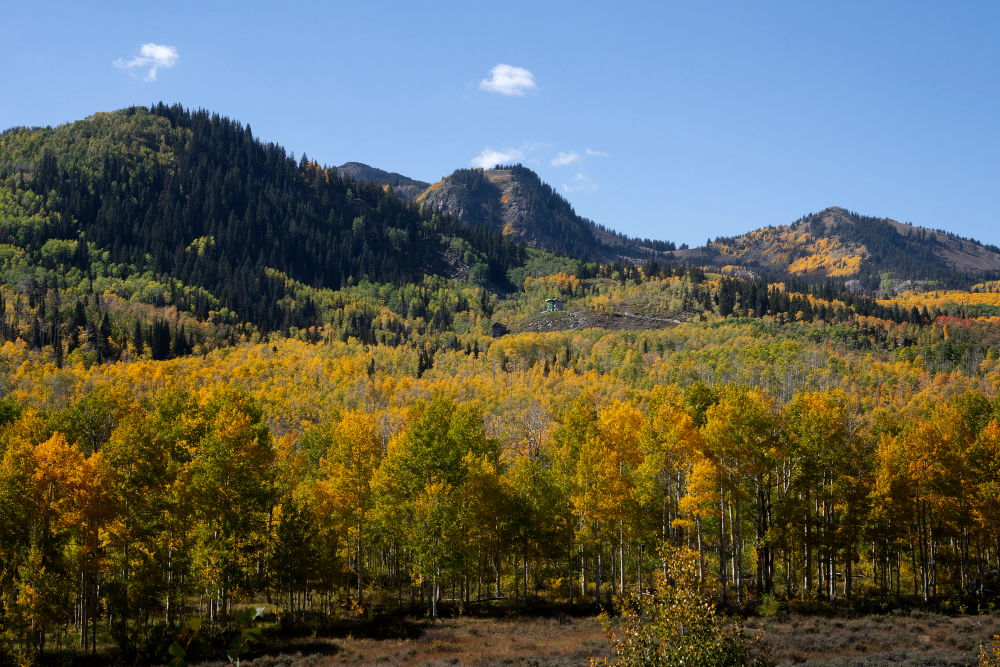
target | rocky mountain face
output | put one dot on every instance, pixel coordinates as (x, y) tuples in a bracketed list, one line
[(515, 200)]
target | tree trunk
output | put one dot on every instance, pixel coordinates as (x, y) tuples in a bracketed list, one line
[(435, 592), (759, 540), (701, 552), (357, 560), (639, 569), (722, 543), (807, 558), (598, 566), (83, 610), (738, 550), (848, 574), (621, 557)]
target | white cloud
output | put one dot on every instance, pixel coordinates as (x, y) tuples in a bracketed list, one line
[(580, 184), (490, 157), (153, 56), (508, 80), (594, 153), (564, 159)]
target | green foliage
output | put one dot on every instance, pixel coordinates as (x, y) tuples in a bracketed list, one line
[(675, 623), (770, 606), (179, 652), (545, 264), (249, 634)]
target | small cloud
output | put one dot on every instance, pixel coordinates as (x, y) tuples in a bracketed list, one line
[(564, 159), (489, 157), (580, 184), (594, 153), (153, 56), (508, 80)]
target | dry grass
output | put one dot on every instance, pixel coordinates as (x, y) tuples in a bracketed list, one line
[(915, 639), (480, 642)]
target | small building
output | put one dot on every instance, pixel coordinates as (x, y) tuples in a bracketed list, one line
[(499, 329), (553, 305)]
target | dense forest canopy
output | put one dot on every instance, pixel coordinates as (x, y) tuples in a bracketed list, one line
[(315, 479)]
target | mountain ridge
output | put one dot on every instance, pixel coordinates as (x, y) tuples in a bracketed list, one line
[(834, 243), (169, 232), (94, 180), (837, 243), (515, 200)]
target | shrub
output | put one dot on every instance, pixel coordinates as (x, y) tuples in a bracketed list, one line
[(676, 624), (770, 606), (989, 654)]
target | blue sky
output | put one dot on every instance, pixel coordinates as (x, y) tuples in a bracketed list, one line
[(686, 120)]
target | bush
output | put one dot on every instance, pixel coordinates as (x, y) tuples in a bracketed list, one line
[(989, 654), (771, 606), (677, 624)]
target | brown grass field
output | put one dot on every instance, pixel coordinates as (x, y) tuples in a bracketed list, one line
[(913, 639), (463, 641)]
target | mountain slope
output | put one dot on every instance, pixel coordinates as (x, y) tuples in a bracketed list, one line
[(837, 243), (407, 188), (515, 200), (195, 201)]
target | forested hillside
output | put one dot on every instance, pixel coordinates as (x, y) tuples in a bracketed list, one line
[(836, 243), (217, 219)]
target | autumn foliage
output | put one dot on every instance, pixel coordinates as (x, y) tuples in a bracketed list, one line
[(328, 479)]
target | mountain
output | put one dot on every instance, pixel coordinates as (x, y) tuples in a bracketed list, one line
[(169, 206), (175, 230), (515, 200), (407, 188), (836, 243)]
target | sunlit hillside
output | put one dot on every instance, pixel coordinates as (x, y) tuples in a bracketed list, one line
[(836, 243), (797, 250)]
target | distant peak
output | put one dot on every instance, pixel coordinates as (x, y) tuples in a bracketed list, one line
[(404, 186)]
